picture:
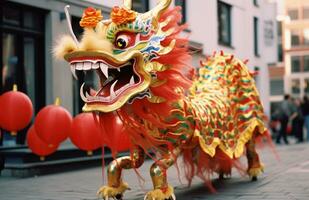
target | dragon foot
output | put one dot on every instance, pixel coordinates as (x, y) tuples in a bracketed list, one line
[(253, 172), (158, 194), (106, 192), (223, 176)]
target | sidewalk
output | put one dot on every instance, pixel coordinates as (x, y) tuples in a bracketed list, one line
[(284, 179)]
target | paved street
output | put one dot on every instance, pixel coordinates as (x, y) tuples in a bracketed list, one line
[(284, 179)]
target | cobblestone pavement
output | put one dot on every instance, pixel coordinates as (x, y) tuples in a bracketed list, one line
[(287, 178)]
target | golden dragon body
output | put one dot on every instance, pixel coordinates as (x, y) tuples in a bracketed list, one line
[(210, 118)]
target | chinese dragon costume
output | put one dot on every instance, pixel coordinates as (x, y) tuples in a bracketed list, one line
[(211, 117)]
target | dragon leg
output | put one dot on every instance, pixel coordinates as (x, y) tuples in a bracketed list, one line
[(115, 186), (162, 191), (255, 167)]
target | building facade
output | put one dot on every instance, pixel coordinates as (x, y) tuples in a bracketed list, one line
[(30, 28), (292, 74)]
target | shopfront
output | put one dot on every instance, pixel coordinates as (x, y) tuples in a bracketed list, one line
[(22, 56)]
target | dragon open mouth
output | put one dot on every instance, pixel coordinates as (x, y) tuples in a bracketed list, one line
[(114, 79)]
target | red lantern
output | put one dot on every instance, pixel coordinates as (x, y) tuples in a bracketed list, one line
[(115, 135), (86, 132), (37, 146), (16, 111), (53, 124)]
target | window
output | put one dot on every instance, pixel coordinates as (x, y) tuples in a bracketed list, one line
[(306, 13), (293, 14), (306, 36), (182, 4), (276, 87), (22, 41), (295, 63), (275, 109), (306, 63), (256, 36), (295, 86), (269, 34), (295, 38), (280, 46), (224, 21), (255, 2), (306, 88), (140, 6)]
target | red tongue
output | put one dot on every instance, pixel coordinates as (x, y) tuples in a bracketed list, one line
[(92, 92)]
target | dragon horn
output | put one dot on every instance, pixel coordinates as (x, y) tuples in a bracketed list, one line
[(127, 4), (162, 5)]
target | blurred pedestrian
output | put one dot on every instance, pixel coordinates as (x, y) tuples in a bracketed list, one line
[(305, 110), (297, 119), (286, 111)]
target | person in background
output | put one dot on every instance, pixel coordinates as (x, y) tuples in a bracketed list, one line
[(297, 121), (305, 110), (286, 111)]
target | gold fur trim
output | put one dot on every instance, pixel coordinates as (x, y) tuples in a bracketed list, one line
[(158, 194), (65, 45), (256, 171), (107, 191)]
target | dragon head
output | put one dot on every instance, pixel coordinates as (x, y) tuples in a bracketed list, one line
[(124, 51)]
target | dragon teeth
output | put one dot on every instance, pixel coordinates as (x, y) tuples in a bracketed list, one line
[(95, 66), (132, 81), (81, 93), (87, 66), (72, 66), (112, 91), (104, 69), (87, 95), (79, 66)]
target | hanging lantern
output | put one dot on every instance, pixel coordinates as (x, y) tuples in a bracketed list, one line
[(115, 135), (53, 123), (37, 146), (16, 110), (86, 133)]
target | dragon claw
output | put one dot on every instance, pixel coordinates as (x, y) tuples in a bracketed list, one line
[(107, 192), (158, 194)]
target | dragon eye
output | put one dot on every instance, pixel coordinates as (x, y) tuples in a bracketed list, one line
[(122, 42), (125, 40)]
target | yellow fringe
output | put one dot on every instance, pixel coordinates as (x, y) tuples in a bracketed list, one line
[(157, 194), (256, 171), (107, 191)]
